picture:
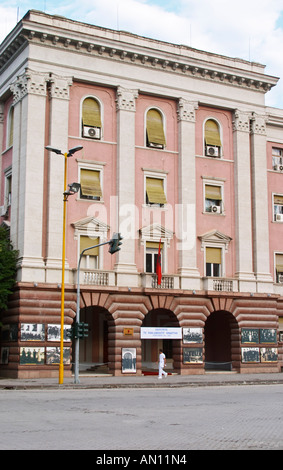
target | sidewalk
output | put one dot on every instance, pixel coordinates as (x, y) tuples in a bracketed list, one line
[(105, 381)]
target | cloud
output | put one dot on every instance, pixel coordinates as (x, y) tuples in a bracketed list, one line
[(248, 29)]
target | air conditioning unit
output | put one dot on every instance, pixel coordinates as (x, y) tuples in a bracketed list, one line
[(212, 151), (278, 167), (92, 132), (279, 217), (156, 146), (280, 278), (216, 209)]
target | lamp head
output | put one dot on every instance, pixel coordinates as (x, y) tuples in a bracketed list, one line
[(51, 149), (74, 150)]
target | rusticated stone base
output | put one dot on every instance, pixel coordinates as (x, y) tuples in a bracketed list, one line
[(124, 312)]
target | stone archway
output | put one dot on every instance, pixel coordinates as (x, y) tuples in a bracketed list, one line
[(222, 341), (159, 317), (94, 350)]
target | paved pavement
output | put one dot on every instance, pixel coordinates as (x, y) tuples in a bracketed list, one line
[(105, 381)]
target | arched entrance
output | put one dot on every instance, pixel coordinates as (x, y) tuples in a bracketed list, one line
[(221, 336), (94, 349), (150, 347)]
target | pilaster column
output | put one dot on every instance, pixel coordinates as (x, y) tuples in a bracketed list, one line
[(243, 204), (126, 209), (186, 209), (27, 174), (59, 96), (260, 201)]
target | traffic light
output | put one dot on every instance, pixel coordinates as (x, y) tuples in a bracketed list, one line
[(82, 330), (77, 331), (115, 242)]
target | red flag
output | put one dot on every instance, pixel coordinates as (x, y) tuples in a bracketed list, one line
[(158, 266)]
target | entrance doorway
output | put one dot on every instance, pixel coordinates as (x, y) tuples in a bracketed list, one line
[(220, 328), (94, 348), (150, 347)]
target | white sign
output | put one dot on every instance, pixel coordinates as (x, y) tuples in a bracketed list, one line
[(161, 333)]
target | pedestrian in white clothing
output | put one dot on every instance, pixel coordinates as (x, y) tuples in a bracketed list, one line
[(162, 364)]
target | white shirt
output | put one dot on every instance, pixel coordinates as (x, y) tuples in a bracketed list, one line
[(161, 359)]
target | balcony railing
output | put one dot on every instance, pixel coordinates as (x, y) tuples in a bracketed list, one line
[(149, 280), (96, 278), (220, 284)]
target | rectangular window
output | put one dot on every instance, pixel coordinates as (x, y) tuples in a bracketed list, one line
[(155, 191), (279, 267), (90, 258), (90, 184), (277, 159), (151, 256), (213, 199), (278, 208), (213, 262)]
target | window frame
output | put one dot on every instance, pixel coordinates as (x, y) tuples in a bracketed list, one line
[(213, 266), (277, 273), (158, 176), (91, 166), (163, 121), (95, 98), (10, 127), (220, 204), (205, 146), (279, 157), (278, 213), (153, 252)]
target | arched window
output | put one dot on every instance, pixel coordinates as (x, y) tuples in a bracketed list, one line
[(212, 140), (91, 119), (155, 136), (10, 128)]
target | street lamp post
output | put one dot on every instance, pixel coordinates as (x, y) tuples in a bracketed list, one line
[(72, 189)]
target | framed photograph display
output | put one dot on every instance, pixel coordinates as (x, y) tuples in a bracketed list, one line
[(9, 332), (192, 335), (53, 355), (32, 332), (269, 355), (250, 335), (4, 355), (129, 357), (54, 332), (267, 335), (31, 355), (250, 355), (192, 356)]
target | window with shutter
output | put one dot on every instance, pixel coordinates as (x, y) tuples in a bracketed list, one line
[(91, 119), (154, 129)]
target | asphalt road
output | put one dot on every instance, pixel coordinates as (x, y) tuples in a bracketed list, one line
[(208, 418)]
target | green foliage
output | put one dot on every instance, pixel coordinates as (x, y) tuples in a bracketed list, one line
[(8, 261)]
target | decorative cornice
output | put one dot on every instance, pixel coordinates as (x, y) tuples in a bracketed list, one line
[(115, 49)]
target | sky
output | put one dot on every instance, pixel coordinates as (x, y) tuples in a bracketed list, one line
[(247, 29)]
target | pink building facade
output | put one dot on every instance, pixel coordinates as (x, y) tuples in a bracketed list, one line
[(179, 152)]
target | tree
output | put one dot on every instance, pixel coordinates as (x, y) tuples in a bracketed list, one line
[(8, 261)]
